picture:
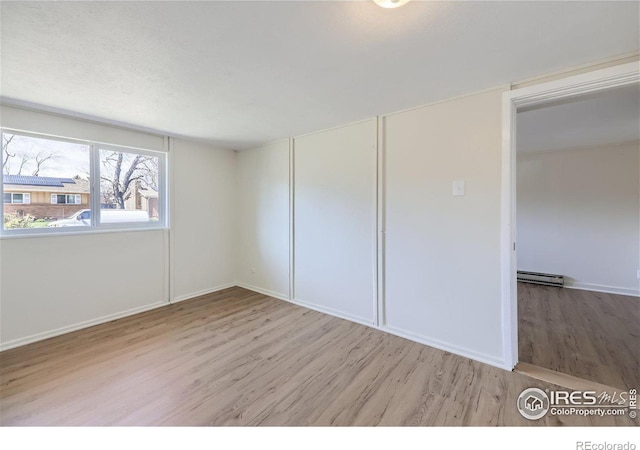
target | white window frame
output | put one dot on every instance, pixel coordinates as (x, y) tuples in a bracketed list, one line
[(162, 189), (94, 199), (26, 195)]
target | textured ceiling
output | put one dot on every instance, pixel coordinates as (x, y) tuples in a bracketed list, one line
[(239, 74), (609, 117)]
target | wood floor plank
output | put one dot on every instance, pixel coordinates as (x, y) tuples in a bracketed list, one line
[(239, 358), (589, 335)]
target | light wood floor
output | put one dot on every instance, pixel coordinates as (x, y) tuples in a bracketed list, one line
[(590, 335), (241, 358)]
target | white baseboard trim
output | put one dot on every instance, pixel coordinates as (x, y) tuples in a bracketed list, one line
[(259, 290), (334, 312), (108, 318), (605, 289), (486, 359), (77, 326), (309, 305), (184, 297), (435, 343)]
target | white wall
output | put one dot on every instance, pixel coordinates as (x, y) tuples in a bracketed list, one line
[(442, 282), (443, 252), (203, 218), (54, 284), (75, 128), (334, 220), (263, 219), (578, 215)]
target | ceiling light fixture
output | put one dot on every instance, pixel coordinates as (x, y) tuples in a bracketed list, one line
[(391, 3)]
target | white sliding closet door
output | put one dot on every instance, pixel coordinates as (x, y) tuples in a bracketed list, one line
[(334, 220)]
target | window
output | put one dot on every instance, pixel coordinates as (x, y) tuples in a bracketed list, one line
[(66, 199), (17, 198), (128, 185)]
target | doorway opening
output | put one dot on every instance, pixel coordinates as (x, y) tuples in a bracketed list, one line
[(577, 200), (572, 209)]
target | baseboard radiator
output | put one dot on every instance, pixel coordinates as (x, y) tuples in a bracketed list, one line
[(541, 278)]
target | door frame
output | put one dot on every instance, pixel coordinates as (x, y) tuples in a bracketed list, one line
[(591, 82)]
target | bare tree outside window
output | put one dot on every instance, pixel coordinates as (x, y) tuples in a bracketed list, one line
[(24, 159), (124, 175)]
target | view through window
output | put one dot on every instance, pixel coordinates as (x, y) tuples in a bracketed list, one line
[(128, 187), (44, 180), (47, 183)]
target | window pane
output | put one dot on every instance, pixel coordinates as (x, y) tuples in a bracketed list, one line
[(62, 199), (128, 187), (6, 197), (45, 169)]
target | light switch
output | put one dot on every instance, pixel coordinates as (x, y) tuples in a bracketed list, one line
[(458, 188)]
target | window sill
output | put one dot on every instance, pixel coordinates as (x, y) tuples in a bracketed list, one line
[(57, 233)]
